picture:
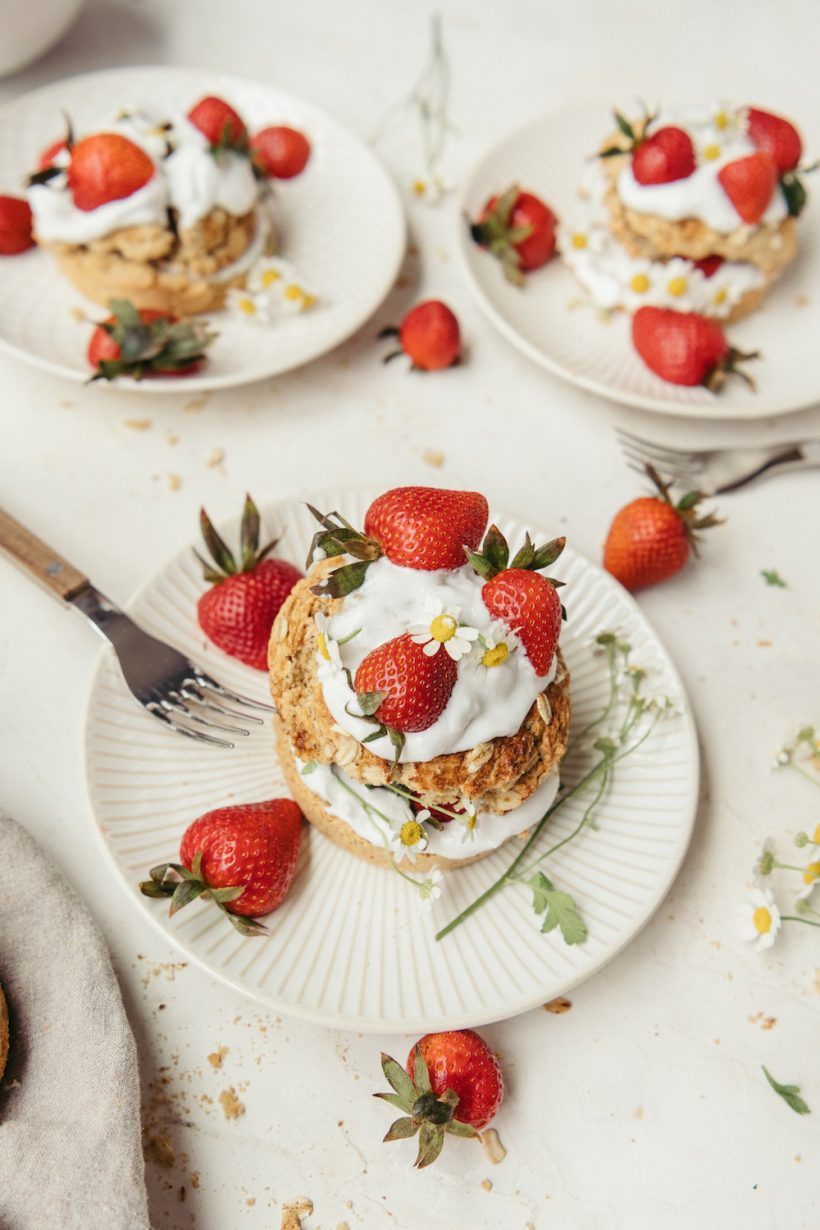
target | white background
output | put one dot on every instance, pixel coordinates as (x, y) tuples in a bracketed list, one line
[(644, 1106)]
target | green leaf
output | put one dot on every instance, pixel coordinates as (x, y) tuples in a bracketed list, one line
[(393, 1099), (794, 192), (184, 893), (625, 126), (525, 555), (495, 548), (399, 1081), (125, 312), (342, 581), (223, 895), (460, 1129), (431, 1142), (548, 554), (421, 1076), (506, 204), (480, 565), (401, 1129), (369, 702), (219, 550), (789, 1093), (772, 577), (310, 767), (249, 534), (559, 910)]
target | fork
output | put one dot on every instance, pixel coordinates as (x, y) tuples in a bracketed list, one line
[(168, 685), (720, 470)]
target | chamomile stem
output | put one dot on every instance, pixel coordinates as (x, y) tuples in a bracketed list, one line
[(581, 824), (370, 811), (405, 794), (791, 918), (810, 777)]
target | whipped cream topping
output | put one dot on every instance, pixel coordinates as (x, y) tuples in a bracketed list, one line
[(484, 704), (719, 136), (614, 279), (490, 832), (190, 179)]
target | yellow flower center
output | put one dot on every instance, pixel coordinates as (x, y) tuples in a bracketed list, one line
[(711, 152), (762, 920), (811, 873), (322, 646), (411, 833), (640, 283), (442, 628), (294, 292), (270, 276), (579, 240), (676, 286), (247, 306), (495, 656), (720, 296), (471, 821), (721, 120), (308, 301), (419, 187)]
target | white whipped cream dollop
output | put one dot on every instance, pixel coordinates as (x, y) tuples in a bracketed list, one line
[(719, 136), (614, 279), (191, 180), (483, 705), (490, 832)]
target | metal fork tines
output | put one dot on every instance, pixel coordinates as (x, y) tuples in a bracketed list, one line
[(716, 471), (168, 685)]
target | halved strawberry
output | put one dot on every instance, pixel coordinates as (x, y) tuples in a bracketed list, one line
[(107, 167), (15, 226), (220, 124), (749, 184), (776, 135)]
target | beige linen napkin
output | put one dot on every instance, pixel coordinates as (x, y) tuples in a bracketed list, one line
[(70, 1155)]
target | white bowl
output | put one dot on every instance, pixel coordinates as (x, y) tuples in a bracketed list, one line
[(30, 29)]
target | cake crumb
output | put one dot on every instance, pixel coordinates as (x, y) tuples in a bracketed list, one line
[(67, 405), (490, 1142), (293, 1211), (638, 1112), (157, 1147), (558, 1005), (216, 1057), (174, 482), (194, 1178), (764, 644), (342, 1225), (171, 437), (232, 1108), (215, 458), (77, 313), (487, 1185), (433, 457), (802, 301), (138, 424), (194, 405), (251, 1201)]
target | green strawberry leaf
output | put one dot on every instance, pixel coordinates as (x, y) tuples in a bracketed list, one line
[(401, 1129), (789, 1093), (399, 1081)]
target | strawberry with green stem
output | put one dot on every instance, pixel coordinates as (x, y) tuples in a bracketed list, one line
[(400, 689), (518, 229), (139, 342)]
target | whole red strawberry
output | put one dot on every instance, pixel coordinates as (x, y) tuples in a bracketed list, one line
[(429, 335), (452, 1084), (219, 123), (145, 342), (529, 605), (664, 157), (402, 688), (686, 348), (426, 527), (518, 228), (106, 167), (749, 184), (280, 152), (15, 226), (243, 857), (238, 612), (776, 135), (652, 538)]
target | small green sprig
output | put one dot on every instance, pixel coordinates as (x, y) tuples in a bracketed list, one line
[(789, 1093), (802, 753), (772, 577)]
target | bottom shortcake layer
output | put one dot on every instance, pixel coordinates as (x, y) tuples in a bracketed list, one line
[(365, 820)]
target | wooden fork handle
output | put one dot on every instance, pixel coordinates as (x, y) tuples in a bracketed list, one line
[(38, 559)]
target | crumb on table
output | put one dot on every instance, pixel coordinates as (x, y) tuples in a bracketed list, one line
[(232, 1108)]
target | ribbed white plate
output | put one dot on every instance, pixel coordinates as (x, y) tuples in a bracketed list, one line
[(350, 946), (341, 224), (551, 322)]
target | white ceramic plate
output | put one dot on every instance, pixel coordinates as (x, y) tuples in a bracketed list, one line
[(341, 224), (551, 322), (350, 947)]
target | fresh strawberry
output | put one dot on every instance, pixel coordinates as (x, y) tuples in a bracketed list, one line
[(429, 334), (776, 135), (219, 124), (280, 152), (519, 230), (709, 265), (242, 857), (452, 1083), (15, 226), (749, 184), (686, 348), (519, 596), (106, 167), (651, 538), (145, 342), (237, 614), (426, 527), (401, 689), (664, 157)]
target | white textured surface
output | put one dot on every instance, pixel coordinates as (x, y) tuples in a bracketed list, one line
[(643, 1108), (336, 952), (553, 322), (340, 224)]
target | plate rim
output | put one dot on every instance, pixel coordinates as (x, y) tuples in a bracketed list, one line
[(722, 409), (367, 1025), (205, 383)]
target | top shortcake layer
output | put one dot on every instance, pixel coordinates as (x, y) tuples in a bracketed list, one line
[(189, 178)]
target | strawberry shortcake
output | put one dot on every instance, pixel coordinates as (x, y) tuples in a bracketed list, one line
[(422, 700), (166, 213), (693, 209)]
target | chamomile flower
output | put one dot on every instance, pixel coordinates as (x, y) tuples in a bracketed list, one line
[(443, 628), (468, 821), (250, 306), (411, 838), (430, 889), (759, 919), (493, 649), (327, 649), (432, 189), (811, 874), (765, 861)]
